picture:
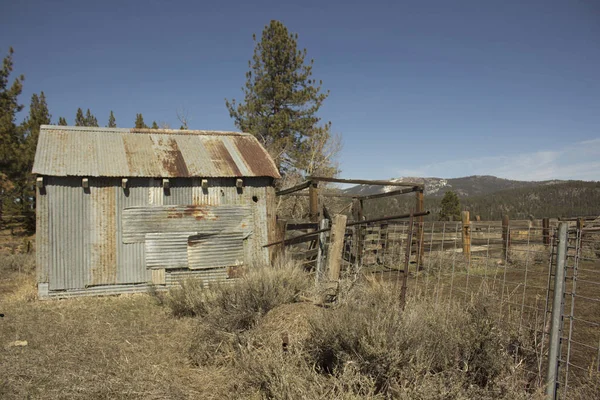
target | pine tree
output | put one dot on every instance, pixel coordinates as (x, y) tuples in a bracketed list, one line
[(154, 125), (450, 207), (10, 133), (90, 119), (38, 115), (62, 121), (139, 122), (112, 123), (80, 118), (281, 102)]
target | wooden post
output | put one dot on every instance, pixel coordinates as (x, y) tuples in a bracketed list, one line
[(478, 218), (466, 234), (279, 250), (420, 230), (505, 237), (546, 231), (313, 200), (357, 214), (324, 224), (336, 245), (406, 262)]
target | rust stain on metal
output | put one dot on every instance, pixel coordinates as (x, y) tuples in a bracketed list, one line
[(199, 213), (222, 158), (139, 148), (173, 161), (255, 156)]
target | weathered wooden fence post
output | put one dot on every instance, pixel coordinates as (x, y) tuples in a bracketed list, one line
[(324, 224), (546, 231), (279, 235), (357, 215), (336, 245), (466, 235), (420, 230), (406, 261), (505, 237), (313, 201)]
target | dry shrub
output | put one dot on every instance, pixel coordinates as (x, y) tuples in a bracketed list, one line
[(236, 306), (22, 263), (397, 349), (367, 347), (522, 255), (269, 374), (227, 311), (18, 277), (590, 246)]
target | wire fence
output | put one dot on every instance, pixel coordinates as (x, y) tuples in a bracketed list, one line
[(514, 266), (510, 267)]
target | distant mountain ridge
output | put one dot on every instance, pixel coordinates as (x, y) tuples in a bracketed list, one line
[(468, 186), (491, 198)]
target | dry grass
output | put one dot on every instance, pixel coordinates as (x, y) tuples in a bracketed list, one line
[(93, 348)]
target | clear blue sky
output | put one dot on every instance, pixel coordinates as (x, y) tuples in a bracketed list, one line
[(436, 88)]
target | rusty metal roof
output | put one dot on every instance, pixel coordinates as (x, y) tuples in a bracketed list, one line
[(84, 151)]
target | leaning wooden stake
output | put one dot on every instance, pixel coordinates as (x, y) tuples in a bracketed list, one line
[(466, 235), (420, 230), (279, 235), (313, 201), (336, 245), (324, 224), (406, 262), (357, 214)]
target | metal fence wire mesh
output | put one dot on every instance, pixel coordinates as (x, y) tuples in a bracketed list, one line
[(510, 268)]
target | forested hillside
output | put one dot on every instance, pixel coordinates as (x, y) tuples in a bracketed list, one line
[(567, 199)]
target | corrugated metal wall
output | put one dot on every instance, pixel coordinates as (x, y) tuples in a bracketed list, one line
[(80, 231)]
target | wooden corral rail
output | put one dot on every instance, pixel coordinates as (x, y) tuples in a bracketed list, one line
[(317, 213), (372, 234)]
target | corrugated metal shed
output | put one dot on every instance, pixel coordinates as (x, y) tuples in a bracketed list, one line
[(103, 237), (114, 152)]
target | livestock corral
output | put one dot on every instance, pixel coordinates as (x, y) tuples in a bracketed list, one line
[(515, 261)]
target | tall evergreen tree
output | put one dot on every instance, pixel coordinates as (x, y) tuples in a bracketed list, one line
[(10, 133), (139, 122), (154, 125), (112, 123), (38, 115), (90, 119), (80, 118), (450, 207), (281, 102), (62, 121)]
